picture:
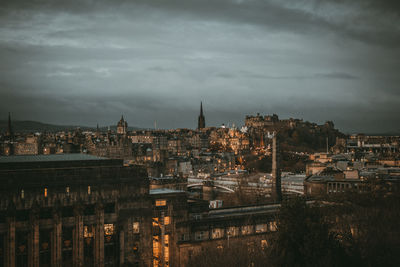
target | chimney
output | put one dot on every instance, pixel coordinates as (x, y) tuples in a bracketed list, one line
[(276, 192)]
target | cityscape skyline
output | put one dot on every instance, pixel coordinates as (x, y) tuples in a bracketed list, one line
[(201, 133), (155, 126), (85, 62)]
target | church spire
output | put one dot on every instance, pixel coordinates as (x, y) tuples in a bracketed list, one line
[(201, 122), (9, 128)]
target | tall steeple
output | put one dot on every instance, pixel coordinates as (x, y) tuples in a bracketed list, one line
[(9, 132), (201, 122), (97, 130)]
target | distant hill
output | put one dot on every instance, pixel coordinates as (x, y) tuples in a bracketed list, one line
[(35, 126)]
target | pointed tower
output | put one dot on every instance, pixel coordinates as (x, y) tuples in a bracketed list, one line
[(201, 122), (122, 126), (8, 148), (276, 191), (9, 133), (97, 130)]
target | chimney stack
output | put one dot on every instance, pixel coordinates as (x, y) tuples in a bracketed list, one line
[(276, 192)]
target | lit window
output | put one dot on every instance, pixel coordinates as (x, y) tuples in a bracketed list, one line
[(217, 233), (166, 239), (108, 229), (167, 220), (88, 190), (135, 227), (67, 190), (156, 248), (155, 221), (88, 231), (264, 243), (260, 228), (161, 202), (45, 192), (166, 254), (272, 226), (22, 194), (233, 231), (247, 229)]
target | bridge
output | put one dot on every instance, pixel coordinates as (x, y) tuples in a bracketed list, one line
[(232, 186), (211, 184)]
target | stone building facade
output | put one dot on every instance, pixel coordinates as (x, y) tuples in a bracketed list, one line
[(73, 210), (83, 210)]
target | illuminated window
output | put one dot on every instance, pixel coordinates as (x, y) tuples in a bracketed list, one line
[(135, 227), (108, 229), (247, 229), (167, 220), (22, 194), (88, 190), (264, 243), (272, 226), (156, 250), (88, 231), (261, 228), (155, 221), (67, 190), (233, 231), (166, 239), (217, 233), (161, 202), (166, 254), (45, 192)]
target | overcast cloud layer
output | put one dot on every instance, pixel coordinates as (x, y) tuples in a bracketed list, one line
[(88, 62)]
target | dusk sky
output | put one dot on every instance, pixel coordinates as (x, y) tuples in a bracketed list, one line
[(87, 62)]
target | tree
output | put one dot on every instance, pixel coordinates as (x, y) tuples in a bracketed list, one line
[(304, 238)]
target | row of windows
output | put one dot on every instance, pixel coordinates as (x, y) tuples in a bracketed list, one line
[(157, 250), (234, 231), (89, 230), (45, 191), (341, 187)]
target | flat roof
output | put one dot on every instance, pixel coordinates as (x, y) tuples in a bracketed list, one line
[(164, 191), (49, 158), (23, 162)]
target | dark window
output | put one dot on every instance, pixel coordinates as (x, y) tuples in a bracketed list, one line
[(22, 215), (67, 246), (2, 217), (46, 213), (67, 211), (21, 248), (89, 210), (109, 208), (44, 248)]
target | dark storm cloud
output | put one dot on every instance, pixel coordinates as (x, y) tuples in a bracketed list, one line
[(88, 61)]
